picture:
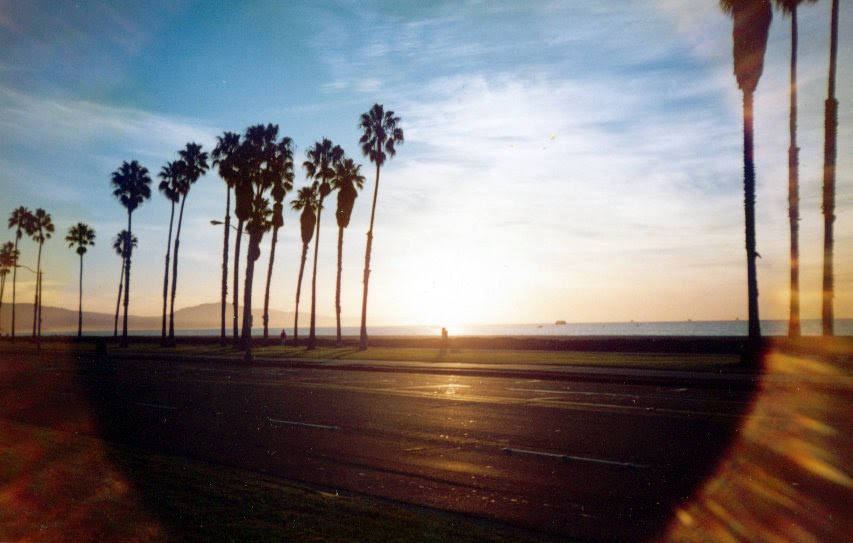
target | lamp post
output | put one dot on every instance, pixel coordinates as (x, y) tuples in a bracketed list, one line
[(39, 274), (222, 340)]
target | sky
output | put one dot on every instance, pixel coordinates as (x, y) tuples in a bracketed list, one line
[(563, 160)]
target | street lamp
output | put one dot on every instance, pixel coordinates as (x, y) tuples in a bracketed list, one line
[(39, 276)]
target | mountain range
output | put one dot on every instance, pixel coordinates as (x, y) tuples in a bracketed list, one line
[(199, 317)]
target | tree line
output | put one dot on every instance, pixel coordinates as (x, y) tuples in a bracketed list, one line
[(752, 20), (258, 167)]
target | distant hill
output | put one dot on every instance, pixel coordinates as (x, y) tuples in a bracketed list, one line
[(199, 317)]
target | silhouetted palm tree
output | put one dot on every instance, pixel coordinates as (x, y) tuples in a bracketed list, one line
[(8, 261), (42, 229), (280, 188), (264, 162), (120, 243), (171, 179), (322, 159), (347, 181), (790, 7), (751, 25), (306, 201), (131, 186), (830, 126), (224, 157), (21, 220), (193, 165), (381, 134), (82, 236)]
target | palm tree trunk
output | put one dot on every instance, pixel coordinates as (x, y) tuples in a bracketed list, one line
[(749, 212), (36, 300), (40, 304), (166, 276), (236, 282), (829, 154), (127, 280), (269, 278), (80, 302), (363, 339), (312, 338), (253, 253), (793, 189), (118, 300), (175, 272), (298, 290), (2, 291), (338, 284), (15, 284), (225, 263)]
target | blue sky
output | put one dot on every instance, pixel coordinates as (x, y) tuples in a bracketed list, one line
[(563, 160)]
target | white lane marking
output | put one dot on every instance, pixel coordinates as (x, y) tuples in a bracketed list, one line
[(305, 424), (568, 457), (157, 406), (451, 386), (579, 393)]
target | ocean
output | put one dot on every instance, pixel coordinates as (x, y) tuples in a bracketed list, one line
[(810, 327)]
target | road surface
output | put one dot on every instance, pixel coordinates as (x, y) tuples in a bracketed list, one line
[(582, 459)]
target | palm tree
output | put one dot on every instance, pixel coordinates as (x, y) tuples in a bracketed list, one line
[(42, 229), (224, 157), (264, 159), (121, 244), (306, 201), (751, 25), (8, 261), (193, 165), (830, 126), (347, 181), (131, 186), (82, 236), (381, 134), (322, 159), (790, 7), (21, 220), (280, 188), (171, 179)]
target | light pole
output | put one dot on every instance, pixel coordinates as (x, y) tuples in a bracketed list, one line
[(222, 340), (39, 275)]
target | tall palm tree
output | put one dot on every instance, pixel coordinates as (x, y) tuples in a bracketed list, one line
[(830, 126), (82, 236), (193, 165), (42, 229), (281, 186), (751, 25), (264, 159), (306, 201), (121, 244), (789, 7), (347, 181), (131, 186), (171, 179), (8, 261), (223, 156), (381, 133), (21, 220), (319, 167)]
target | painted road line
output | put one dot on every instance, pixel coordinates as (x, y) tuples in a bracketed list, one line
[(568, 457), (305, 424), (157, 406), (573, 392)]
